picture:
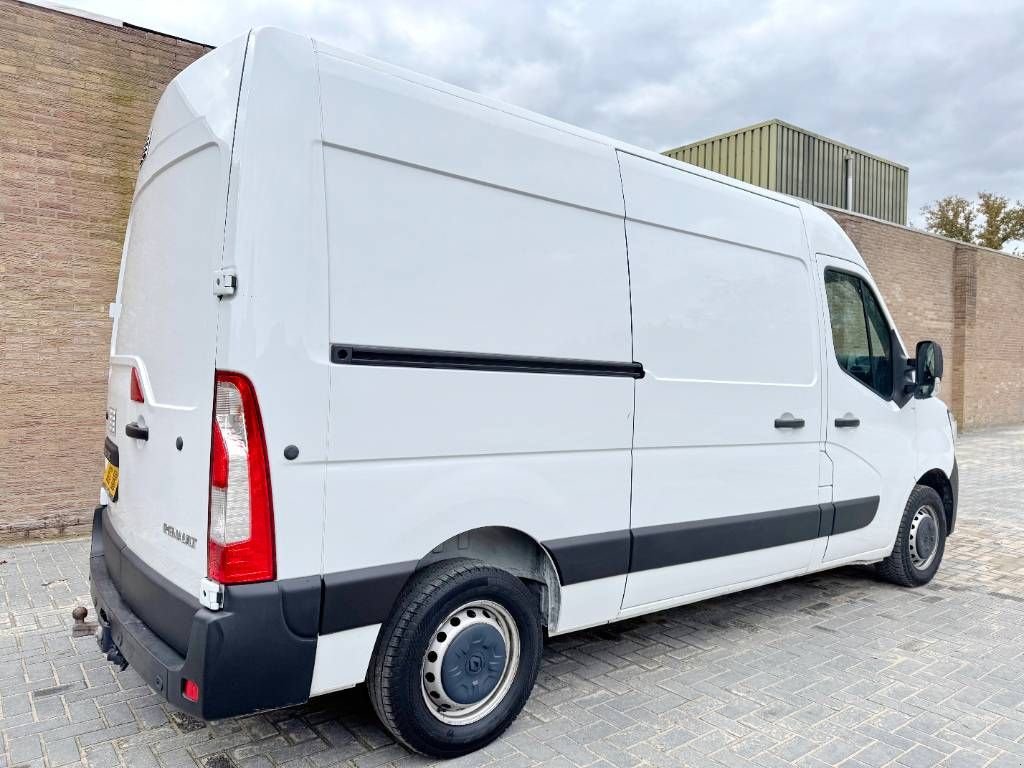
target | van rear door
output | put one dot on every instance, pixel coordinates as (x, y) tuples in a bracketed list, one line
[(166, 322)]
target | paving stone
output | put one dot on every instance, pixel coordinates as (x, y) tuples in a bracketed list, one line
[(102, 756), (25, 748), (62, 752), (966, 759)]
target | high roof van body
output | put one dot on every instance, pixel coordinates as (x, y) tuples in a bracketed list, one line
[(403, 379)]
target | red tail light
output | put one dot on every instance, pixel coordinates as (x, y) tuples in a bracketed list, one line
[(137, 395), (241, 533)]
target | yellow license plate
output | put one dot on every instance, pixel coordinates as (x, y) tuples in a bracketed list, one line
[(110, 477)]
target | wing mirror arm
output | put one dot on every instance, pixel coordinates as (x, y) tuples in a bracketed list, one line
[(910, 376), (903, 368)]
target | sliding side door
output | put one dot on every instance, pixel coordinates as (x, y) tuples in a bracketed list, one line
[(728, 416)]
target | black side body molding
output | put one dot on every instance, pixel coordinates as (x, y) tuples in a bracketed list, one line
[(363, 596), (616, 553), (398, 357), (658, 546), (594, 556), (854, 514)]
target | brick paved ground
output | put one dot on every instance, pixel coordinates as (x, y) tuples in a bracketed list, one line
[(834, 669)]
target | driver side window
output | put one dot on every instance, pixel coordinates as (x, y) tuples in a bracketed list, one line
[(860, 333)]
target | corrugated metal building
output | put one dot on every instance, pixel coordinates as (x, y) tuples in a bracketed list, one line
[(783, 158)]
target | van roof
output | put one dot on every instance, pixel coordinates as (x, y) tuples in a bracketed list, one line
[(826, 235), (540, 119)]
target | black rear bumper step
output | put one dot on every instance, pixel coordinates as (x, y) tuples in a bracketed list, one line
[(256, 653), (163, 607)]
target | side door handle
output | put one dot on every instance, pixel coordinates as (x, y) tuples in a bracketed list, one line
[(132, 429), (847, 421), (789, 421)]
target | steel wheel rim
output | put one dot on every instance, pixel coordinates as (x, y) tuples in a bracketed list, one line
[(480, 614), (924, 537)]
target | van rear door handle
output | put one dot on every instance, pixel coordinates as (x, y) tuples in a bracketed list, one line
[(848, 421), (789, 421), (132, 429)]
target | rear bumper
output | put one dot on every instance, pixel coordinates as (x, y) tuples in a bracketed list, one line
[(256, 653)]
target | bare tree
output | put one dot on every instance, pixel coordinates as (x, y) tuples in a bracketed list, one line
[(991, 221)]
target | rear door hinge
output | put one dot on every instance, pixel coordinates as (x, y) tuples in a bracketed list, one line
[(225, 280)]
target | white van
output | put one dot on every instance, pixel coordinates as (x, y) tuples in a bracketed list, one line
[(404, 379)]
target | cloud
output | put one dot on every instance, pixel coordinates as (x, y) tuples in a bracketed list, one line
[(933, 84)]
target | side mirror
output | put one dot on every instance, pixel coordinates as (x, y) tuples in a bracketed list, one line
[(928, 368)]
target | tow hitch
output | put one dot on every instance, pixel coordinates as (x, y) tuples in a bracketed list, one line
[(107, 645), (104, 638)]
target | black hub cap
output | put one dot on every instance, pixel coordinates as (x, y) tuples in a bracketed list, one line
[(927, 537), (473, 664)]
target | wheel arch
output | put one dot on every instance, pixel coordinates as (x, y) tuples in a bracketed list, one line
[(941, 483), (511, 550)]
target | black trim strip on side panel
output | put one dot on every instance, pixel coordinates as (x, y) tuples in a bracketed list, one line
[(828, 519), (364, 596), (658, 546), (398, 357), (854, 514), (594, 556)]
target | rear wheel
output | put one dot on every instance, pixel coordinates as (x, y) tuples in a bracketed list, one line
[(457, 659), (920, 542)]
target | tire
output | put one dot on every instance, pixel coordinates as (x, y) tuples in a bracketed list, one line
[(920, 542), (485, 611)]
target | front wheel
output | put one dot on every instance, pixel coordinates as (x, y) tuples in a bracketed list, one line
[(920, 542), (457, 659)]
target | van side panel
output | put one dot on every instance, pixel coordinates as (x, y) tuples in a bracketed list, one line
[(454, 227), (727, 326), (274, 329), (457, 227)]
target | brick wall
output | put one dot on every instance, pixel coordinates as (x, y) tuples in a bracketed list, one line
[(966, 298), (76, 97), (995, 376)]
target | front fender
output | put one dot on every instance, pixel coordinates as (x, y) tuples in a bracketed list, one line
[(935, 446)]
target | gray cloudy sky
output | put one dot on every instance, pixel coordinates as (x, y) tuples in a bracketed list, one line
[(933, 84)]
